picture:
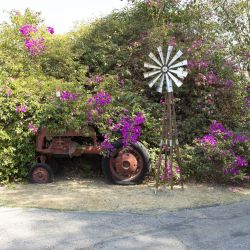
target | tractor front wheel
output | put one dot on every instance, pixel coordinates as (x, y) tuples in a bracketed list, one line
[(126, 165), (40, 173)]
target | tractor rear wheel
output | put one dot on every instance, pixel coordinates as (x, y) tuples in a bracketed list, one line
[(126, 165), (40, 173)]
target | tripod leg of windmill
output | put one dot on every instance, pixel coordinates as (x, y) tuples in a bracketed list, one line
[(180, 164), (177, 147), (159, 168), (170, 137), (162, 147), (166, 149)]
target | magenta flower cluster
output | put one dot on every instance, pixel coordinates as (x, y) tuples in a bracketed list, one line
[(241, 161), (101, 99), (195, 45), (99, 79), (96, 79), (172, 41), (107, 145), (35, 45), (8, 91), (150, 3), (97, 103), (217, 127), (67, 96), (32, 128), (229, 83), (234, 168), (168, 172), (211, 78), (21, 109), (198, 64), (208, 139), (27, 30), (131, 128), (223, 143), (247, 102), (50, 30)]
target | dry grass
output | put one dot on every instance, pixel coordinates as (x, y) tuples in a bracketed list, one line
[(96, 195)]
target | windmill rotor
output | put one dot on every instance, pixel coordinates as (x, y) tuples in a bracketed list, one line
[(165, 71)]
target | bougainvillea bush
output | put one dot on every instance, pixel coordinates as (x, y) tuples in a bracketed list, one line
[(93, 75), (221, 156)]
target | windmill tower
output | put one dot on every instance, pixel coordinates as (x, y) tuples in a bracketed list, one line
[(167, 71)]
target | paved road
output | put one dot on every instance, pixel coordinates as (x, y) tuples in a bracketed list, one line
[(220, 227)]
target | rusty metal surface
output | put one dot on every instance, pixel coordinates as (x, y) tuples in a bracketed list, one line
[(126, 164), (76, 152), (40, 175), (64, 145), (169, 146)]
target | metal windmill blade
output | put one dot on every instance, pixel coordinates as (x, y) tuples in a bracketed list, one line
[(165, 70)]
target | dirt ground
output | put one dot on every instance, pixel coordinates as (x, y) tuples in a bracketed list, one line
[(96, 195)]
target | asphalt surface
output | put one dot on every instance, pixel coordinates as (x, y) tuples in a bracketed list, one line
[(219, 227)]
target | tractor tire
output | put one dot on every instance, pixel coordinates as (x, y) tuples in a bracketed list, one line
[(126, 165), (41, 173)]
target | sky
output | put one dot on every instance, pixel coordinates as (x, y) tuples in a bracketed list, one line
[(62, 14)]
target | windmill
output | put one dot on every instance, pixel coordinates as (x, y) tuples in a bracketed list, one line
[(166, 72)]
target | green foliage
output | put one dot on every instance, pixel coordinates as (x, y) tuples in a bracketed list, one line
[(214, 163), (116, 47)]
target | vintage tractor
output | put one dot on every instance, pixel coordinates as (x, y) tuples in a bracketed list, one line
[(125, 166)]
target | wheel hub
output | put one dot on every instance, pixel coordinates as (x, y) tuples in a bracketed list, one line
[(164, 69), (126, 164), (40, 175)]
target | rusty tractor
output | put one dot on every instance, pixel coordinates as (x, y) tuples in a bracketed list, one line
[(125, 165)]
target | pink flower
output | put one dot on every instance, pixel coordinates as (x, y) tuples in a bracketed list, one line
[(168, 171), (211, 77), (196, 44), (27, 29), (98, 79), (198, 64), (162, 101), (32, 128), (178, 170), (131, 128), (9, 92), (229, 83), (241, 161), (172, 41), (35, 46), (21, 109), (107, 145), (208, 139), (67, 96), (50, 30)]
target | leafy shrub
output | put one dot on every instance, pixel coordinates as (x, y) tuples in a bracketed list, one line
[(107, 57), (220, 156)]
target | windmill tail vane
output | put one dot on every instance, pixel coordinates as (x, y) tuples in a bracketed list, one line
[(165, 71)]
